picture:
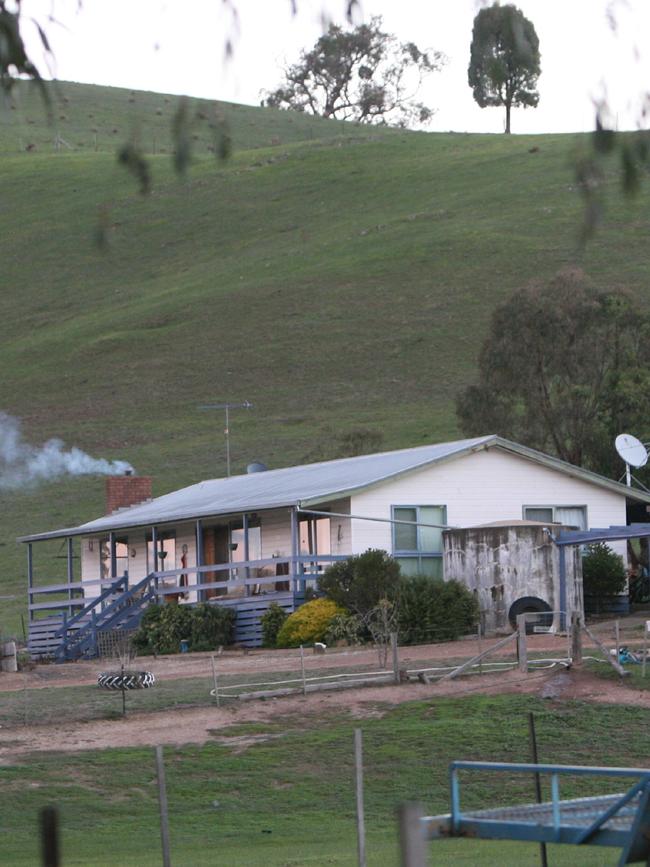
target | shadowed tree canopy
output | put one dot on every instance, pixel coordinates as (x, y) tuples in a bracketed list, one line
[(564, 369), (362, 74), (504, 59)]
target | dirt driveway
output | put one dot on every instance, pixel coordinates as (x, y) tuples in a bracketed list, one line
[(198, 725)]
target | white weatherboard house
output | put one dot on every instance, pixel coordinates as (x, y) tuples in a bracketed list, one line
[(249, 540)]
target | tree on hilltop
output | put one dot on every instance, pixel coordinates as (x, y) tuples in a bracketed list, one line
[(362, 74), (564, 369), (504, 59)]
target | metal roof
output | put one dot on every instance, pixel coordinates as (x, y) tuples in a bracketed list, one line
[(602, 534), (308, 485)]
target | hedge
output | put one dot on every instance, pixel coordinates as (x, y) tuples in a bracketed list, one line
[(430, 609), (204, 627), (361, 581), (272, 621)]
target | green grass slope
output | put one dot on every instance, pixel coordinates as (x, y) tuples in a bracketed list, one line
[(84, 117), (286, 799), (336, 282)]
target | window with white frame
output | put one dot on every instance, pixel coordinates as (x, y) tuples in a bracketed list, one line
[(417, 542), (570, 516)]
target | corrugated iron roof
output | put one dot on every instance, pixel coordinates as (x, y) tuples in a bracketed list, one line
[(602, 534), (308, 485)]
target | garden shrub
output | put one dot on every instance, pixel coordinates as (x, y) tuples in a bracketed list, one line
[(308, 624), (431, 609), (203, 626), (272, 621), (360, 582), (603, 571), (345, 628), (212, 626)]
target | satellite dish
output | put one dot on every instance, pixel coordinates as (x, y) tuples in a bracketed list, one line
[(631, 450)]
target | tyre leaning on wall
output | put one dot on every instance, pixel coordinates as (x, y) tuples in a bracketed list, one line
[(126, 679)]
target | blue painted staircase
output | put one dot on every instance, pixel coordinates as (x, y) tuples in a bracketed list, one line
[(114, 609)]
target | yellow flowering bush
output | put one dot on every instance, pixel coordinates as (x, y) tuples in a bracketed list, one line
[(308, 624)]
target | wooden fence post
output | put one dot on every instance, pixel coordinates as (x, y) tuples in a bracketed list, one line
[(412, 843), (576, 639), (50, 837), (215, 681), (358, 777), (522, 651), (476, 659), (617, 636), (162, 803), (302, 669), (393, 645), (646, 627)]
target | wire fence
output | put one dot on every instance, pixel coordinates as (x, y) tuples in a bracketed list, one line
[(216, 680)]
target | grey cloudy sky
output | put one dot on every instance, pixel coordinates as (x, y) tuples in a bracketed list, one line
[(176, 46)]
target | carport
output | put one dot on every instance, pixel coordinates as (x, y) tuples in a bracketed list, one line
[(590, 537)]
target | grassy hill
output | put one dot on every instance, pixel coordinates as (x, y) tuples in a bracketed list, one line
[(336, 277), (94, 119)]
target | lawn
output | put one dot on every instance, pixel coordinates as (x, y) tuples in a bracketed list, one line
[(289, 800)]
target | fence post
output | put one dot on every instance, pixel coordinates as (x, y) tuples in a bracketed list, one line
[(538, 784), (522, 652), (645, 646), (162, 803), (361, 823), (50, 837), (576, 639), (393, 645), (216, 682), (302, 669), (617, 636), (412, 844)]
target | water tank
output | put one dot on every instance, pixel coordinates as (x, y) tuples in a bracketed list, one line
[(256, 467)]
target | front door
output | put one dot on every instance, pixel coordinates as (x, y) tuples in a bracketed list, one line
[(216, 549)]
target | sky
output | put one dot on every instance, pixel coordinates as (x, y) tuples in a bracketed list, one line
[(177, 46)]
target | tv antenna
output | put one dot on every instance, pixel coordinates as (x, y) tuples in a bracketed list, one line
[(633, 452), (227, 407)]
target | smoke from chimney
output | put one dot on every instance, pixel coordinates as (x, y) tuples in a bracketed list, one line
[(22, 464)]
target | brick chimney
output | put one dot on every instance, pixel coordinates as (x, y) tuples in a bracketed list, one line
[(127, 490)]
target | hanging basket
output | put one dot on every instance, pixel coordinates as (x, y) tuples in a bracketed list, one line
[(120, 680)]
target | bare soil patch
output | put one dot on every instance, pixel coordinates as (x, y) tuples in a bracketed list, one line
[(237, 662), (200, 725)]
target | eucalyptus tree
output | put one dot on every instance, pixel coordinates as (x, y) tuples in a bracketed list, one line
[(362, 74), (564, 369), (504, 59)]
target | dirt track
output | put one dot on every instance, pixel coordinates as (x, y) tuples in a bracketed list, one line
[(200, 725), (197, 726), (238, 662)]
